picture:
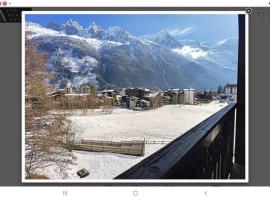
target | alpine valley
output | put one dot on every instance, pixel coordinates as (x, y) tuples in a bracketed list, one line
[(114, 58)]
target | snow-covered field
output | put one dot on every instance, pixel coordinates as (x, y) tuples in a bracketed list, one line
[(165, 123)]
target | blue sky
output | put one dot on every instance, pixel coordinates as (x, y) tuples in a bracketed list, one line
[(212, 27)]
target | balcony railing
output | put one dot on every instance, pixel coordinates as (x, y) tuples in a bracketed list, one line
[(203, 152)]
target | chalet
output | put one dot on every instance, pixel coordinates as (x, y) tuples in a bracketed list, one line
[(155, 99), (124, 99), (122, 92), (173, 95), (143, 103), (137, 92), (166, 99), (60, 93), (86, 89), (110, 93)]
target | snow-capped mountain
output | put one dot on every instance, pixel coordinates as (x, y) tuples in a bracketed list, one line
[(164, 39), (211, 55), (113, 57), (33, 30), (72, 27), (95, 31)]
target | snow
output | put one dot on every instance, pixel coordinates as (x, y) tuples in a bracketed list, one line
[(82, 68), (162, 124), (115, 31), (37, 30), (74, 24), (94, 43), (108, 43), (152, 95), (147, 42), (95, 27)]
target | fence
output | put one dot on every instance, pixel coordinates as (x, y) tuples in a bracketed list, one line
[(157, 141), (134, 147)]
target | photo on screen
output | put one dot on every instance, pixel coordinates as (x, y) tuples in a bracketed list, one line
[(134, 96)]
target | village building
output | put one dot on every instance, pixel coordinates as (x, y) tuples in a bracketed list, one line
[(181, 97), (154, 99), (132, 102), (110, 93), (118, 99), (124, 100), (75, 95), (122, 92), (69, 88), (205, 96), (131, 98), (189, 96), (60, 93), (143, 103), (173, 94), (85, 89), (165, 99), (108, 99), (231, 89), (137, 92)]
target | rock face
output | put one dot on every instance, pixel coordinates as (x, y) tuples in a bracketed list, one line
[(114, 58)]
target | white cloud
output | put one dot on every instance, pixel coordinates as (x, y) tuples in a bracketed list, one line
[(180, 32), (193, 53)]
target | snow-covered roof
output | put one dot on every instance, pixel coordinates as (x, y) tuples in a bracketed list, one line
[(190, 89), (152, 95), (142, 100), (139, 88), (231, 85), (133, 97), (53, 95), (108, 90), (60, 90), (73, 95), (166, 97)]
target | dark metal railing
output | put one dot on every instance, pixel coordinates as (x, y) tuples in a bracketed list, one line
[(203, 152)]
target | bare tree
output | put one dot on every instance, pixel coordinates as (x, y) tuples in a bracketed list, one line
[(107, 105), (46, 133)]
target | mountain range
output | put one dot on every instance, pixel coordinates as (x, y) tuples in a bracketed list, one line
[(114, 58)]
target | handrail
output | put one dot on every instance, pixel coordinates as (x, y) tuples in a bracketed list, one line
[(204, 151)]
